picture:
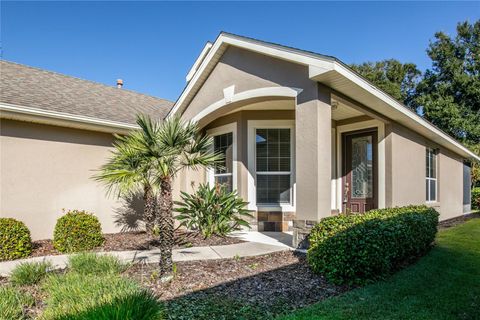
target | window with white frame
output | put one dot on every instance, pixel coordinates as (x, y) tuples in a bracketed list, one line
[(273, 166), (223, 169), (431, 175)]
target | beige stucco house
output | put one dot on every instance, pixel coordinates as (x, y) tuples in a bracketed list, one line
[(304, 138)]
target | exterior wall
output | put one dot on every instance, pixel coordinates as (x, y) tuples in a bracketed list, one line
[(45, 169), (406, 167), (247, 70), (450, 185)]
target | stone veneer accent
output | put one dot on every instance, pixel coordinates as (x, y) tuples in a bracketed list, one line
[(301, 230), (275, 221)]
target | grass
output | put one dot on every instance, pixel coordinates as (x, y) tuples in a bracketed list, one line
[(91, 263), (29, 273), (106, 296), (445, 284), (203, 306), (13, 303)]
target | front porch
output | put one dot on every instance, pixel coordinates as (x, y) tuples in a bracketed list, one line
[(296, 161)]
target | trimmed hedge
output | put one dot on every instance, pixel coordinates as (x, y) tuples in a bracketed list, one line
[(360, 248), (476, 198), (77, 231), (15, 240)]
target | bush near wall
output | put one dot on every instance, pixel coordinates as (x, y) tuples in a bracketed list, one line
[(476, 198), (15, 240), (360, 248), (77, 231)]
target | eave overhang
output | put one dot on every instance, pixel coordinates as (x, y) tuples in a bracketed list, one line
[(37, 115)]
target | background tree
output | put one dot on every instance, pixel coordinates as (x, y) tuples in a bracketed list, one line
[(397, 79), (449, 93)]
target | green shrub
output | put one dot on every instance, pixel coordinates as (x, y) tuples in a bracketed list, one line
[(91, 263), (212, 211), (77, 231), (15, 240), (359, 248), (29, 273), (14, 303), (76, 296), (476, 198)]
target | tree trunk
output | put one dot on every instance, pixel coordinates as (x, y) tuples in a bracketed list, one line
[(165, 226), (149, 209)]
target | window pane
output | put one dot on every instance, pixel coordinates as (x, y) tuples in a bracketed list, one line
[(273, 189), (262, 164), (262, 150), (273, 150), (226, 181), (284, 188), (273, 164), (273, 155), (362, 167), (273, 136), (427, 189), (427, 163), (433, 189), (285, 150), (223, 144), (431, 163), (433, 169), (285, 135)]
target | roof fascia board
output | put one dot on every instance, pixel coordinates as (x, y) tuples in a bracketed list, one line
[(35, 114), (199, 60)]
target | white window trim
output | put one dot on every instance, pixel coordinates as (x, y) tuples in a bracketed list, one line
[(252, 174), (435, 152), (374, 124), (231, 127)]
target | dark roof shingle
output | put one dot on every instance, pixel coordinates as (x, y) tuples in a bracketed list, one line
[(31, 87)]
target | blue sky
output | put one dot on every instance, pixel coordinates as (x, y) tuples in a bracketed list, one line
[(151, 45)]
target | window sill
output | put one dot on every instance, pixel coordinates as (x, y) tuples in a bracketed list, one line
[(266, 207)]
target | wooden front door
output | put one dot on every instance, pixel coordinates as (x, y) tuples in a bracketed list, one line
[(359, 171)]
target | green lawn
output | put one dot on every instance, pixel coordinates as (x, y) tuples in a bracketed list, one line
[(445, 284)]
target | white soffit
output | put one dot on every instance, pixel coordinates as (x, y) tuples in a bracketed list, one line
[(326, 70)]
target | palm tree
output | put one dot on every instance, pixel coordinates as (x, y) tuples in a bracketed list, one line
[(149, 159), (180, 146), (129, 171)]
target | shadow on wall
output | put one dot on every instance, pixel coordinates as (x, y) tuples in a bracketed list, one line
[(129, 217)]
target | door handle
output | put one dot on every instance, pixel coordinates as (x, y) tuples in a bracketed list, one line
[(345, 193)]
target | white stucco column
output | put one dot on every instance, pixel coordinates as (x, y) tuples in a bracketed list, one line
[(313, 118)]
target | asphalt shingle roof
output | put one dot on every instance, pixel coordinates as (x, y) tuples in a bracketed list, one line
[(36, 88)]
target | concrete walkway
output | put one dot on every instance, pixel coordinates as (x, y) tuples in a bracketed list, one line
[(245, 249)]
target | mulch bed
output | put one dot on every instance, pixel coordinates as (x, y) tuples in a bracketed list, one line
[(125, 241), (458, 220), (267, 281)]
